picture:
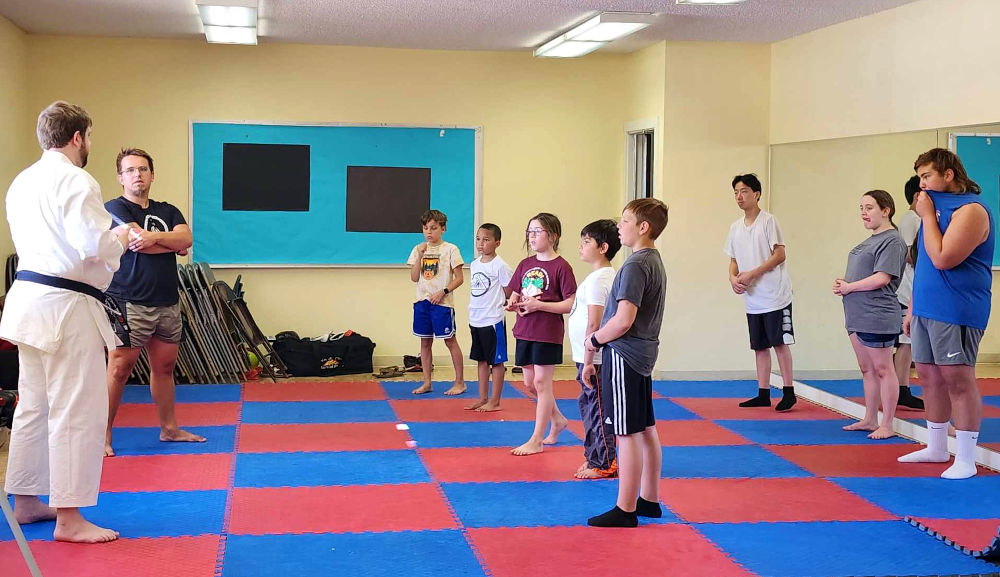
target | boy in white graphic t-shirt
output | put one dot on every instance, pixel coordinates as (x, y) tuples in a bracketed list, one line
[(490, 274)]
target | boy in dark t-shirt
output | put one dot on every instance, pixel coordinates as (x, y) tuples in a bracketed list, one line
[(630, 330)]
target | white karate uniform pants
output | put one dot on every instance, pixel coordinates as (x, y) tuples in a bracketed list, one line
[(57, 439)]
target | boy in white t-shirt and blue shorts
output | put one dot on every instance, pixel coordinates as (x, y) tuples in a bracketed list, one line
[(490, 274), (757, 271)]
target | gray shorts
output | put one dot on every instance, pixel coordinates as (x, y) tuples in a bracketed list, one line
[(144, 323), (938, 343)]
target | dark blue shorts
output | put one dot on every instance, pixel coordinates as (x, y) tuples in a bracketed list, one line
[(433, 321), (489, 344)]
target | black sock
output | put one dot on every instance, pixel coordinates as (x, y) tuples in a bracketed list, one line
[(644, 508), (614, 518), (763, 399), (787, 399), (906, 398)]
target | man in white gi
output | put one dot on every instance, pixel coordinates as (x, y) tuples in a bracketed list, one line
[(68, 253)]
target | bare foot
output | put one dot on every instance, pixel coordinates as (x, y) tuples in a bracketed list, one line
[(881, 433), (83, 531), (456, 389), (423, 389), (582, 466), (489, 407), (475, 406), (529, 448), (553, 437), (108, 451), (180, 436), (589, 473), (861, 426), (30, 509)]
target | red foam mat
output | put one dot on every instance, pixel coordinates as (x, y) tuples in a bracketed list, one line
[(672, 550), (496, 464), (166, 473), (859, 460), (314, 391), (188, 414), (453, 410), (765, 500), (321, 437), (346, 509), (977, 537), (162, 557)]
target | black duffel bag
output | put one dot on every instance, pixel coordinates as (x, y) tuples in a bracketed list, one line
[(345, 354)]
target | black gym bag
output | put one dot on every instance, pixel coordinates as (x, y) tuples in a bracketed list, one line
[(346, 354)]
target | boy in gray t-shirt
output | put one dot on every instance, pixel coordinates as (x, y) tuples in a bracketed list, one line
[(631, 330)]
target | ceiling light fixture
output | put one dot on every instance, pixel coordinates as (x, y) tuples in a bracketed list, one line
[(719, 2), (594, 33), (229, 21)]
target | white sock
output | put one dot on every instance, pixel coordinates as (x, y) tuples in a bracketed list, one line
[(965, 458), (937, 446)]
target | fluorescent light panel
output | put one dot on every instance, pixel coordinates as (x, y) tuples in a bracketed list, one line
[(230, 35), (594, 33), (229, 21)]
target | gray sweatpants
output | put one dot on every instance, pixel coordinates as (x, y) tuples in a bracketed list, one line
[(599, 438)]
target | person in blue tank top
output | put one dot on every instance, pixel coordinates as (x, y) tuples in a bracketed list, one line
[(950, 306)]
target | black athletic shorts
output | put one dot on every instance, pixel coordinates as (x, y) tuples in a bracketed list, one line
[(627, 394), (771, 329), (536, 353)]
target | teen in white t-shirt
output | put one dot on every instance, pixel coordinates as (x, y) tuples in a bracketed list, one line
[(757, 271), (909, 226)]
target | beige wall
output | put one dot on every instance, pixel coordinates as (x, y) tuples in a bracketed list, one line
[(15, 118), (552, 140), (714, 128), (923, 65)]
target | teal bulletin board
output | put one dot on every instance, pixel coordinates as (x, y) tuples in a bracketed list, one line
[(980, 154)]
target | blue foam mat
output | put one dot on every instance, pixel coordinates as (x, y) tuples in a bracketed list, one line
[(411, 553), (187, 394), (286, 412), (323, 469), (932, 497), (134, 515), (742, 389), (403, 390), (663, 410), (807, 432), (536, 503), (851, 548), (479, 434), (726, 461), (146, 441)]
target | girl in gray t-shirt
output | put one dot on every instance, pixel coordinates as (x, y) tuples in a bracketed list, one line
[(871, 310)]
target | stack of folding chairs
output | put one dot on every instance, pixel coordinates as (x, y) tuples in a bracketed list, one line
[(220, 335)]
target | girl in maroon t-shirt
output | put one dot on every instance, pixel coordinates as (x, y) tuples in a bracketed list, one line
[(541, 291)]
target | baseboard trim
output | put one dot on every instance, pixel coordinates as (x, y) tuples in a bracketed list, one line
[(912, 431)]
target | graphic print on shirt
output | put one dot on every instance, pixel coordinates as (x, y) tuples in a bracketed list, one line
[(154, 223), (534, 282), (429, 266), (480, 284)]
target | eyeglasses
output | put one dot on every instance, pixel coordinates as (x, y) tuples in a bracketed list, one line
[(534, 231), (132, 170)]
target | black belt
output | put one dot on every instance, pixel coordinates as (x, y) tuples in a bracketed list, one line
[(113, 308)]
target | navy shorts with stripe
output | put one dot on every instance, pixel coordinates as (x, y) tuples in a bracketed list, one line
[(627, 394), (489, 344), (433, 321)]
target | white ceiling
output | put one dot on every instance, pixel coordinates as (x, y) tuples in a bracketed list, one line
[(442, 24)]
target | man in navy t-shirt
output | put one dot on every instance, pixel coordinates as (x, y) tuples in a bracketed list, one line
[(146, 288)]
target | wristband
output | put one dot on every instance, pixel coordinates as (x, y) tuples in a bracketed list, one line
[(594, 341), (446, 291)]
